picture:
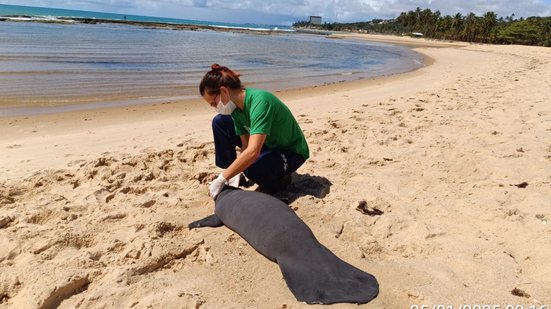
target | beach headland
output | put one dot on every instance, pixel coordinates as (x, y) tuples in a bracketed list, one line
[(454, 157), (144, 24)]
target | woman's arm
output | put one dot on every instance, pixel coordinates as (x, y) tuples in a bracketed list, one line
[(251, 151), (244, 141)]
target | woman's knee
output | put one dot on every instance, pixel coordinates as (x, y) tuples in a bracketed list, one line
[(219, 121)]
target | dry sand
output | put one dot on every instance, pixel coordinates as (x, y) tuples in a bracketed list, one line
[(94, 205)]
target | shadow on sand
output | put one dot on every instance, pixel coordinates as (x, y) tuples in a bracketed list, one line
[(306, 184)]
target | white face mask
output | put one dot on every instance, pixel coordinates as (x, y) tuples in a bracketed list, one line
[(225, 109)]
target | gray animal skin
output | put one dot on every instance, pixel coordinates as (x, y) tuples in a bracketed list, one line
[(313, 273)]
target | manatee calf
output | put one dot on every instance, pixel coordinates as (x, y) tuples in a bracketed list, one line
[(313, 273)]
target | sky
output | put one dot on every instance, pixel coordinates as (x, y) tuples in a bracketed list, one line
[(286, 12)]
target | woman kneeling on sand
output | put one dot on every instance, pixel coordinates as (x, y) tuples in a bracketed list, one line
[(271, 141)]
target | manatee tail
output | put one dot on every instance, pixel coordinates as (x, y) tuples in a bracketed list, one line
[(210, 221), (323, 278)]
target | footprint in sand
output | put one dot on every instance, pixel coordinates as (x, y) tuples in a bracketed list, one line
[(156, 260), (75, 162), (9, 287), (357, 118), (14, 146), (5, 221), (113, 217), (202, 255), (163, 228), (334, 124), (148, 204), (200, 155), (204, 177), (42, 217), (51, 294), (4, 200)]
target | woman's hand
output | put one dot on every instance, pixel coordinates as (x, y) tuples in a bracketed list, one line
[(217, 185)]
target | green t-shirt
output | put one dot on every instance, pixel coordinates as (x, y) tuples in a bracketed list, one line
[(264, 113)]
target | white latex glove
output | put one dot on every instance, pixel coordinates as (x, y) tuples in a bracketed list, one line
[(217, 185), (234, 181)]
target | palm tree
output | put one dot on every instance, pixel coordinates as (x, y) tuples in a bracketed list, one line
[(489, 22), (470, 32), (457, 26), (445, 26), (433, 24)]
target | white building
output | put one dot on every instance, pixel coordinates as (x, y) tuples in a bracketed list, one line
[(315, 20)]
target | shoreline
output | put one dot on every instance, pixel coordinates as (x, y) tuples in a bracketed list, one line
[(56, 123), (400, 40), (453, 156), (121, 102), (48, 105)]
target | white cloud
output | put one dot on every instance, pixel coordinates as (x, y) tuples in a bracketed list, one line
[(347, 10), (269, 11)]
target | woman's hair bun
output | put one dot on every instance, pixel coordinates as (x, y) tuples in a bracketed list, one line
[(218, 68), (219, 76)]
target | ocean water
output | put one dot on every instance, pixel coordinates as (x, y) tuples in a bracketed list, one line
[(50, 67), (49, 14)]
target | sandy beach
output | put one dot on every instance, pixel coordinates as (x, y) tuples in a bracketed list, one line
[(94, 205)]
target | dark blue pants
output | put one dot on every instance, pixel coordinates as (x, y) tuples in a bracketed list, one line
[(268, 169)]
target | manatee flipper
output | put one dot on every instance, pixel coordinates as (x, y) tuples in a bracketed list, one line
[(323, 278), (210, 221)]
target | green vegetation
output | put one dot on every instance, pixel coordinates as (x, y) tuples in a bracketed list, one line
[(487, 28)]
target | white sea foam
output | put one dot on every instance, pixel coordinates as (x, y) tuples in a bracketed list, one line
[(40, 19), (240, 28)]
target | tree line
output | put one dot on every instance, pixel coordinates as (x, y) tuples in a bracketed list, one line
[(487, 28)]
